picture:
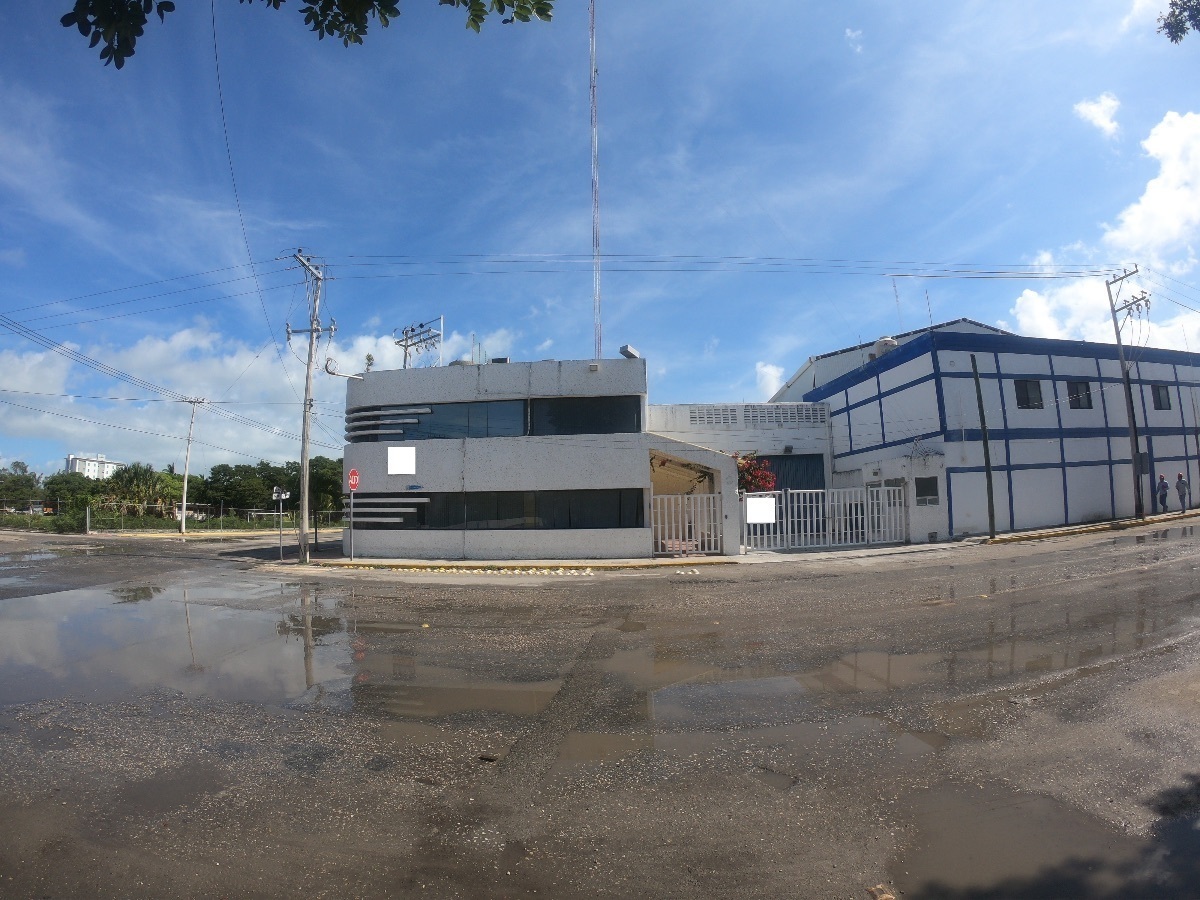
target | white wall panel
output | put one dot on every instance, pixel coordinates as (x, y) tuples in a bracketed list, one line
[(1023, 364), (1123, 485), (1088, 494), (1087, 449), (960, 361), (1037, 497), (865, 424), (839, 426), (921, 367), (969, 491), (1037, 452), (911, 412), (1075, 367), (861, 391)]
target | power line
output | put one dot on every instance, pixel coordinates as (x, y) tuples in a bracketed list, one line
[(113, 372), (237, 196), (50, 412)]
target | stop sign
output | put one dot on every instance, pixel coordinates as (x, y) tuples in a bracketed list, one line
[(352, 479)]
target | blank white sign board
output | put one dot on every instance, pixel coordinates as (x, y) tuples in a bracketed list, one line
[(760, 510), (402, 461)]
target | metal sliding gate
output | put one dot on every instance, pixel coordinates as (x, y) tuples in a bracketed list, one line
[(840, 517), (686, 523)]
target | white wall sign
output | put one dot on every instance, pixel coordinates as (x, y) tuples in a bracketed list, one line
[(760, 510), (402, 461)]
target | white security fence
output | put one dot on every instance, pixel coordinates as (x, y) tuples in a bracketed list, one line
[(686, 523), (841, 517)]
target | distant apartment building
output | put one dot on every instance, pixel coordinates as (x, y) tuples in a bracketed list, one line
[(97, 466)]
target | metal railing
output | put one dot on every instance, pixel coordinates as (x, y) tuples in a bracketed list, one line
[(839, 517), (683, 524)]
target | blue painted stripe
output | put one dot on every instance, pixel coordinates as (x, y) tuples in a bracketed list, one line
[(903, 442), (1112, 482), (1012, 502), (1062, 447), (989, 343)]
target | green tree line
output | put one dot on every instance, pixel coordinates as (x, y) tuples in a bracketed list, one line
[(139, 488)]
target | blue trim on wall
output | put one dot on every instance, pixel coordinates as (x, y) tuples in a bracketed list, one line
[(941, 397), (1012, 502), (1062, 446), (1112, 483), (902, 354), (988, 343), (899, 443), (879, 403), (849, 423)]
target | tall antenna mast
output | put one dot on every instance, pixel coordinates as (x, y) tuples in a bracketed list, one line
[(595, 180)]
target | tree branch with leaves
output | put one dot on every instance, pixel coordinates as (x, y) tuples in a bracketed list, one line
[(1181, 17), (119, 24)]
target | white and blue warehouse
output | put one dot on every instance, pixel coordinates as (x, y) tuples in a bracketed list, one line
[(904, 412)]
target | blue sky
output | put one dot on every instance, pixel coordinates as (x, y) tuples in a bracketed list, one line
[(763, 174)]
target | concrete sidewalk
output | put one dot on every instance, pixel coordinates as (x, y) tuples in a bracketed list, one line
[(1168, 518)]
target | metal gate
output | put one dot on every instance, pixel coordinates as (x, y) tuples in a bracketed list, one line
[(686, 523), (840, 517)]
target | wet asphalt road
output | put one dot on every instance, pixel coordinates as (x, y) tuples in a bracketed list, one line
[(194, 720)]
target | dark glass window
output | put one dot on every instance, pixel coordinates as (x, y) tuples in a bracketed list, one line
[(585, 415), (1079, 394), (1029, 393), (505, 418), (479, 510), (444, 511), (595, 509), (1162, 396), (927, 490), (498, 418), (553, 509)]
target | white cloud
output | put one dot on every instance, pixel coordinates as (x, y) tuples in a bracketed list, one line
[(1141, 11), (769, 379), (13, 256), (854, 39), (1100, 112), (1165, 220), (1157, 231)]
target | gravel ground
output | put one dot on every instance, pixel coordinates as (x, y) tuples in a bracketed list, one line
[(191, 719)]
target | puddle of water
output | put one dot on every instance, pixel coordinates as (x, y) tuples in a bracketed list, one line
[(776, 713), (985, 842), (101, 645), (20, 560), (1096, 639)]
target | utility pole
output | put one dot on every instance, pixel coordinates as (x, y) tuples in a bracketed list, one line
[(1136, 303), (187, 461), (317, 279), (418, 337)]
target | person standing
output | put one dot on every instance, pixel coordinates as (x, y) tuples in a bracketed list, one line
[(1182, 488), (1162, 488)]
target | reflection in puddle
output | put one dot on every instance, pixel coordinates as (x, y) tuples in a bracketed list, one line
[(775, 714), (17, 560), (106, 645), (1093, 639)]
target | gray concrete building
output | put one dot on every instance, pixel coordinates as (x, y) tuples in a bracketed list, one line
[(534, 460)]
